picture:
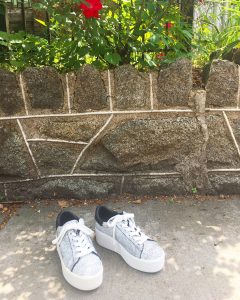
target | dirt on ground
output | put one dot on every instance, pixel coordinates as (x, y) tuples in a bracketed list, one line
[(11, 208)]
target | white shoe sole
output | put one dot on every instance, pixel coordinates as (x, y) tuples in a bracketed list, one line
[(84, 283), (144, 265)]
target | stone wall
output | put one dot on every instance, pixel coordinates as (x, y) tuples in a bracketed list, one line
[(91, 133)]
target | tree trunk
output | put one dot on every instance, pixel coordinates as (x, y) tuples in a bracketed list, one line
[(187, 9), (23, 16)]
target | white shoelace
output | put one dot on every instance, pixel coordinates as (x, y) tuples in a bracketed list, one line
[(78, 236), (128, 223)]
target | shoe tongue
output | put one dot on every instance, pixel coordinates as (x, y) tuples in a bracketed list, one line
[(112, 218), (128, 222), (66, 223), (71, 222)]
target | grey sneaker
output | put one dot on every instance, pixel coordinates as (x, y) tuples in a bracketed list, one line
[(81, 265), (118, 232)]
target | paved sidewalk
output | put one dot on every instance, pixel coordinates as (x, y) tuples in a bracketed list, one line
[(201, 240)]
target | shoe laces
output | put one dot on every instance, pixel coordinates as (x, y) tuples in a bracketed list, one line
[(79, 235), (128, 224)]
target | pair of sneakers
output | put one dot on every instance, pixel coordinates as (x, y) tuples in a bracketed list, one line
[(81, 265)]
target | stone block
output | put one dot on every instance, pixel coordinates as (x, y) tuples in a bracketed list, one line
[(154, 185), (226, 184), (223, 83), (64, 128), (55, 158), (175, 84), (161, 143), (99, 159), (221, 151), (67, 188), (131, 89), (198, 101), (90, 93), (152, 140), (234, 119), (15, 161), (44, 89), (11, 101)]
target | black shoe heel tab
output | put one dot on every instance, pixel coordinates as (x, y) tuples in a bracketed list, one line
[(65, 216), (58, 219), (103, 214), (97, 217)]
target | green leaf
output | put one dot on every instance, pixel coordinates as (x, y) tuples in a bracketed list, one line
[(155, 38), (2, 43), (17, 64), (187, 34), (149, 60), (230, 46), (112, 58)]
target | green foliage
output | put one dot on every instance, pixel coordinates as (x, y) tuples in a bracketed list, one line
[(128, 31), (194, 190), (217, 33)]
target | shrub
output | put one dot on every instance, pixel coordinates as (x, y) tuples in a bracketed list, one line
[(143, 33), (216, 34)]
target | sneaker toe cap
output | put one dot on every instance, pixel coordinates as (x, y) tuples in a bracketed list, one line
[(152, 251), (88, 265)]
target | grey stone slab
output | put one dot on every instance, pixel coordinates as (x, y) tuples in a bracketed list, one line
[(155, 185), (11, 101), (175, 84), (225, 183), (131, 88), (153, 139), (64, 128), (44, 89), (201, 240), (162, 143), (90, 93), (70, 188), (234, 120), (223, 83), (221, 151), (55, 158), (98, 158), (15, 160)]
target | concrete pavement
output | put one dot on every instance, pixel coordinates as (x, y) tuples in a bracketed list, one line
[(201, 240)]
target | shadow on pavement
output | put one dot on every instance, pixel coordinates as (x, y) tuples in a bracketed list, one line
[(201, 240)]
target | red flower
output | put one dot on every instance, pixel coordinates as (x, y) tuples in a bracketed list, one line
[(160, 55), (168, 25), (91, 9)]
